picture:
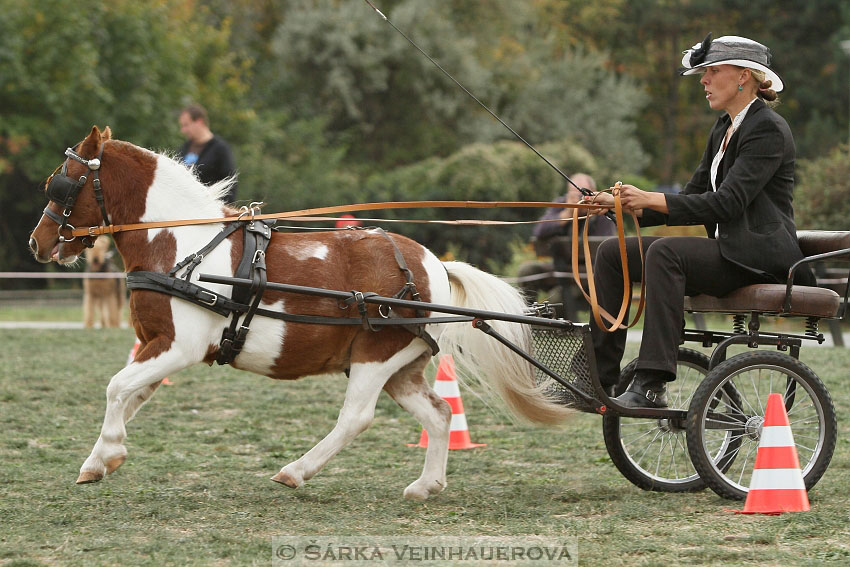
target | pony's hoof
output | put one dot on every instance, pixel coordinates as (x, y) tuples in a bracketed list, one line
[(423, 490), (286, 479), (87, 477), (417, 495), (114, 464)]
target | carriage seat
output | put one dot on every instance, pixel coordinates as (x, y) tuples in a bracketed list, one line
[(806, 301)]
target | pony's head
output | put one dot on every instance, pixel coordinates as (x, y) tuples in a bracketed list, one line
[(110, 182), (72, 202)]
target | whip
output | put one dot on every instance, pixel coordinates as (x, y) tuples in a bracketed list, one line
[(583, 190)]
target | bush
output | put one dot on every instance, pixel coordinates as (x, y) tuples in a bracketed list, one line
[(821, 195)]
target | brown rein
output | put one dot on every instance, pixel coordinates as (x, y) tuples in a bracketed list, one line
[(598, 312), (304, 215), (307, 215)]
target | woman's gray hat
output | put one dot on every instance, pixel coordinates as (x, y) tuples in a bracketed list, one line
[(731, 50)]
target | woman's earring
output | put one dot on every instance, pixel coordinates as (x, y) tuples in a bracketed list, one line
[(740, 87)]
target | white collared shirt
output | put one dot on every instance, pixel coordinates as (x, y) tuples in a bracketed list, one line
[(718, 157), (736, 122)]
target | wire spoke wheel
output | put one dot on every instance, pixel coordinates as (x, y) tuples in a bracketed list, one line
[(653, 453), (727, 412)]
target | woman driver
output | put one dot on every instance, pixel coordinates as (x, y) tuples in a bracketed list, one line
[(741, 192)]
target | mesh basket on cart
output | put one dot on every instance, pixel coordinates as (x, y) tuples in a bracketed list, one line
[(567, 353)]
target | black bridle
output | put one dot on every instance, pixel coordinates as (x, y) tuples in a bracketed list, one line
[(64, 191)]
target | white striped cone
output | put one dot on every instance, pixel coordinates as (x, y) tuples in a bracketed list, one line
[(446, 386), (777, 483)]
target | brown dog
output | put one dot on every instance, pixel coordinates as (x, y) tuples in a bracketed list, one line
[(103, 295)]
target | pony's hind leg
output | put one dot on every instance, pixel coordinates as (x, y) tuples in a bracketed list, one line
[(126, 393), (364, 386), (411, 391)]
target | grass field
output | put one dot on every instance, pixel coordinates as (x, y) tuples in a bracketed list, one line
[(195, 489)]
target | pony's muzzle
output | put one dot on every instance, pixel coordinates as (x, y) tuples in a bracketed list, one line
[(34, 247)]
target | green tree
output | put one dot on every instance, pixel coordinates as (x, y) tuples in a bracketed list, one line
[(821, 195), (645, 39), (341, 60), (66, 66)]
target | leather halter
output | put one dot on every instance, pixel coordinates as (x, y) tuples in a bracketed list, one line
[(64, 191)]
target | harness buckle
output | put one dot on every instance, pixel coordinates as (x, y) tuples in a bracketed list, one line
[(211, 302)]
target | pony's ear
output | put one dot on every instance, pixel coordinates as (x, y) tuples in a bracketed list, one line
[(107, 133), (91, 145)]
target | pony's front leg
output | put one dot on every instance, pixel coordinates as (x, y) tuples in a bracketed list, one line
[(126, 393), (364, 386), (358, 410)]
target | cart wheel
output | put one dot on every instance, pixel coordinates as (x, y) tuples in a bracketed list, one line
[(733, 426), (651, 453)]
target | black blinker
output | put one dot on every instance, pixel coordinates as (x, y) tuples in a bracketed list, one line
[(64, 190)]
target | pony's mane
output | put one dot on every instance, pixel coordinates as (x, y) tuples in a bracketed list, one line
[(187, 176), (176, 191), (217, 190)]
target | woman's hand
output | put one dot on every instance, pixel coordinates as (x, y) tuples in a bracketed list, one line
[(634, 199), (602, 199)]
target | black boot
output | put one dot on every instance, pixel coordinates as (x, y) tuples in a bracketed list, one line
[(647, 390)]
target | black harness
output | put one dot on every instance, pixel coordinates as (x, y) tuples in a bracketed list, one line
[(245, 301)]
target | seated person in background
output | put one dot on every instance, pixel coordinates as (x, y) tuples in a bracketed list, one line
[(561, 260)]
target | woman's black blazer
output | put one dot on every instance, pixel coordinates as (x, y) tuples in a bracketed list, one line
[(752, 207)]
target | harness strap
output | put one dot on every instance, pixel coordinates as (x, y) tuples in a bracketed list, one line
[(53, 215), (162, 283), (257, 235), (194, 259), (409, 288), (217, 303)]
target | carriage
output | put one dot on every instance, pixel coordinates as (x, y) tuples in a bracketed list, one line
[(378, 306)]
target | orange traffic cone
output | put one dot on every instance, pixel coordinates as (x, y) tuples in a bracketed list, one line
[(132, 356), (445, 384), (777, 484)]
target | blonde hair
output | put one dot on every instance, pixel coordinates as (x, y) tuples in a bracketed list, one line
[(763, 90)]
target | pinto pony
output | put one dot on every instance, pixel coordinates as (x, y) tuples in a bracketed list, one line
[(139, 186)]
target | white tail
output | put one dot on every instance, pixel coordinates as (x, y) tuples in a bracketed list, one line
[(484, 357)]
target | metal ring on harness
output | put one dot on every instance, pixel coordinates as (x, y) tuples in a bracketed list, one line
[(253, 209), (69, 226)]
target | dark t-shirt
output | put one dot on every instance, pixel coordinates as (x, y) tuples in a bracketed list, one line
[(213, 162)]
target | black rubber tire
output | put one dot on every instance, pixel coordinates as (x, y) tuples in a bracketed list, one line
[(689, 361), (801, 388)]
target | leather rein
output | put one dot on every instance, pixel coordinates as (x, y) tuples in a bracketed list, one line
[(306, 215), (310, 215)]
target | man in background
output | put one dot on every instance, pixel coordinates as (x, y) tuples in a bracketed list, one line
[(552, 239), (209, 154)]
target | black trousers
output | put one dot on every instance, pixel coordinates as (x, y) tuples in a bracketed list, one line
[(675, 266)]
